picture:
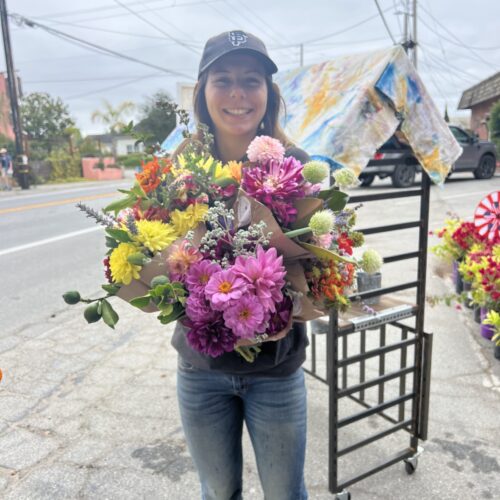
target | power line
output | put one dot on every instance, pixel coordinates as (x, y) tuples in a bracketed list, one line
[(454, 36), (168, 35), (175, 4), (72, 39), (112, 87), (385, 22), (105, 30), (334, 33), (450, 67)]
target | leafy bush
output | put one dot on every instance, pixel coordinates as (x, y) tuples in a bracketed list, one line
[(495, 124), (64, 165), (131, 160)]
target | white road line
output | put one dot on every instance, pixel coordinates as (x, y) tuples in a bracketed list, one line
[(49, 240), (65, 191)]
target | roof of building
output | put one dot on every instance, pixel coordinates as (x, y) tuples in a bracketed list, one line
[(482, 91)]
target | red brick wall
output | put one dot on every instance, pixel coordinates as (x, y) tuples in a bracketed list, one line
[(478, 114)]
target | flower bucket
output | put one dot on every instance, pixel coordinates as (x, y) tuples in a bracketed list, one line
[(459, 282), (487, 331), (367, 282), (454, 271), (477, 314), (467, 287)]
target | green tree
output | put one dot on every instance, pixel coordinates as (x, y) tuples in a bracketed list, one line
[(46, 120), (113, 117), (155, 123), (494, 124)]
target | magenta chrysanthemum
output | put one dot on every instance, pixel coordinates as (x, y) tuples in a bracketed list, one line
[(245, 316), (212, 339), (279, 319), (264, 148), (199, 275), (264, 274), (276, 185), (223, 287)]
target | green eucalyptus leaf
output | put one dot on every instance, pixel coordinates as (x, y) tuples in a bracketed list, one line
[(337, 201), (141, 302), (118, 205), (111, 243), (138, 259), (111, 289), (109, 315)]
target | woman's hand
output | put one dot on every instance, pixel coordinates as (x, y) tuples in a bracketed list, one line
[(263, 338)]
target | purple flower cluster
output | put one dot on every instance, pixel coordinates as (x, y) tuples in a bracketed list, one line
[(276, 184), (225, 305)]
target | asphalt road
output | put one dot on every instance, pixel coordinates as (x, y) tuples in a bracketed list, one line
[(48, 246)]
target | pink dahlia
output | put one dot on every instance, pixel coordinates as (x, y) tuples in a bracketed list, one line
[(264, 148), (245, 317), (279, 319), (224, 287), (199, 274), (198, 309), (276, 185), (264, 274)]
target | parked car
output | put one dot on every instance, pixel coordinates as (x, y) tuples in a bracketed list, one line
[(395, 159)]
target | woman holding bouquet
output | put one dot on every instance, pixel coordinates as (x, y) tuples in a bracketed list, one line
[(237, 99)]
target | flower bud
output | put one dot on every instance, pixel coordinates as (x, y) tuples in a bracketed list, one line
[(315, 171), (159, 280), (91, 313), (345, 178), (371, 261), (138, 259), (322, 222), (71, 297)]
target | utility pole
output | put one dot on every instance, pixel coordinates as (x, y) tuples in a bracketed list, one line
[(301, 54), (410, 35), (414, 51), (11, 80)]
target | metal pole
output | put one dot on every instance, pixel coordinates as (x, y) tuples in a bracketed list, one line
[(414, 50), (11, 80), (405, 28), (301, 54)]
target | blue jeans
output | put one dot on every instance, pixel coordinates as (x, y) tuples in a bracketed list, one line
[(213, 406)]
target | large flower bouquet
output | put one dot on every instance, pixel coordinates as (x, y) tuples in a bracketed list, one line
[(234, 251)]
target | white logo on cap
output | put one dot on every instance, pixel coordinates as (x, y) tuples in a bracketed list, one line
[(237, 38)]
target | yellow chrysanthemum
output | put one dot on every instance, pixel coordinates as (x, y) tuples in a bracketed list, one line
[(121, 269), (184, 221), (154, 234)]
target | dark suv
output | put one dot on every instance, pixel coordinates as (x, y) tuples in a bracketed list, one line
[(395, 159)]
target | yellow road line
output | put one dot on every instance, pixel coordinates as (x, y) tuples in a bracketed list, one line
[(56, 203)]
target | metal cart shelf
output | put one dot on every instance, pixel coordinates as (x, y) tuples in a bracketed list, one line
[(356, 346)]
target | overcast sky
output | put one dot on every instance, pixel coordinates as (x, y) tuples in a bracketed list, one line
[(459, 40)]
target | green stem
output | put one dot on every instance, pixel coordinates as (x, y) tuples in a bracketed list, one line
[(246, 353), (298, 232)]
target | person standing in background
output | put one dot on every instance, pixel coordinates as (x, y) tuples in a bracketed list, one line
[(7, 170)]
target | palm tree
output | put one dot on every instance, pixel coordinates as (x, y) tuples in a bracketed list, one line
[(112, 117)]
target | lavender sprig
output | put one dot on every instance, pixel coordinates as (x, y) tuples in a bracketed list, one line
[(105, 220)]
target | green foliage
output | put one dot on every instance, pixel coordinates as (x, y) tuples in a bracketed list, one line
[(64, 165), (89, 147), (156, 121), (47, 122), (131, 160), (494, 124), (8, 144)]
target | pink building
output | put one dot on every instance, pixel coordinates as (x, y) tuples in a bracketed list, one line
[(479, 99), (5, 120)]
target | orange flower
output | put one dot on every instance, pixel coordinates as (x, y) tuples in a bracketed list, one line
[(150, 177), (235, 170)]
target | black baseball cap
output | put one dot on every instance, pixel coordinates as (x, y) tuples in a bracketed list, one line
[(232, 41)]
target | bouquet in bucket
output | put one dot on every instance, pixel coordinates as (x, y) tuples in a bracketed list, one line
[(234, 251)]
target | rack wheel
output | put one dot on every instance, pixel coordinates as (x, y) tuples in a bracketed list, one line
[(343, 495), (411, 467)]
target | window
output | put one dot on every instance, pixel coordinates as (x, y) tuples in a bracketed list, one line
[(460, 135), (130, 148)]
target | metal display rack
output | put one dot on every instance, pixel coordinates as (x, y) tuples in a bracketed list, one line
[(350, 379)]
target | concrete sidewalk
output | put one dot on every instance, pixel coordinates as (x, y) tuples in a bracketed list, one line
[(91, 413)]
